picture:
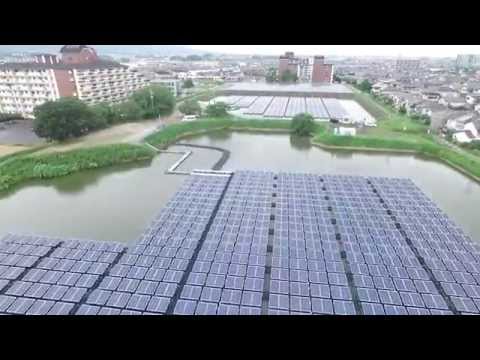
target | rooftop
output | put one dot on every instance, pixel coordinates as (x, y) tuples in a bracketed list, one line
[(100, 64), (72, 48), (259, 243)]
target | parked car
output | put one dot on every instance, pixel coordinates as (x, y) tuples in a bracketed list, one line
[(189, 118)]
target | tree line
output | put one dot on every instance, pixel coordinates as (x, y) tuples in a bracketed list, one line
[(70, 117)]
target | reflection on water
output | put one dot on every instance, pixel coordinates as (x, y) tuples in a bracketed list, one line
[(117, 203), (342, 154), (300, 142)]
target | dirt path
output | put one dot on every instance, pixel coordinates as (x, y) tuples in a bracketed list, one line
[(10, 149), (132, 132)]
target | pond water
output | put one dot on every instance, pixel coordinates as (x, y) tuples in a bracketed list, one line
[(117, 203)]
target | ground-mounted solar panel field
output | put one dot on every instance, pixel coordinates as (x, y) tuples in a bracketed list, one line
[(277, 107), (259, 243), (316, 108), (288, 107)]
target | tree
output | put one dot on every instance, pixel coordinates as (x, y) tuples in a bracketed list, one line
[(190, 107), (127, 111), (219, 109), (303, 124), (154, 101), (194, 58), (402, 109), (63, 119), (106, 112), (271, 75), (288, 76), (365, 86), (188, 83)]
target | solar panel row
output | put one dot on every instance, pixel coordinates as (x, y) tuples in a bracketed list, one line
[(316, 107), (277, 107), (295, 106), (259, 106)]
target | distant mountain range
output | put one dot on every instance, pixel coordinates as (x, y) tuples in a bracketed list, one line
[(114, 50)]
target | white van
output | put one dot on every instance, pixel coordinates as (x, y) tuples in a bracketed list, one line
[(189, 118)]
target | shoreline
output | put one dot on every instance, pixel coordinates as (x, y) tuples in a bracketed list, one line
[(236, 128)]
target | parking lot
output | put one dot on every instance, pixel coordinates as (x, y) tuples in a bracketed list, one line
[(18, 132)]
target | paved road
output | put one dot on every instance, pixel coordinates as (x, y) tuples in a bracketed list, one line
[(19, 133)]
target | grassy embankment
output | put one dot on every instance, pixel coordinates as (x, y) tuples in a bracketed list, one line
[(23, 167), (27, 165), (399, 132), (174, 132)]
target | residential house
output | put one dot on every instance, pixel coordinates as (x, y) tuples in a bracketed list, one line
[(440, 119), (447, 91), (458, 123), (454, 102), (428, 107), (470, 132)]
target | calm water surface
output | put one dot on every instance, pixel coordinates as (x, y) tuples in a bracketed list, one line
[(117, 203)]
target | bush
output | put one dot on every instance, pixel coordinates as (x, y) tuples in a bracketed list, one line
[(106, 112), (288, 77), (154, 101), (190, 107), (28, 167), (219, 109), (271, 75), (127, 111), (188, 83), (63, 119), (364, 86), (8, 117), (303, 124)]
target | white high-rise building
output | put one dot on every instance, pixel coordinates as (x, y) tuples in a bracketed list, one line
[(79, 73)]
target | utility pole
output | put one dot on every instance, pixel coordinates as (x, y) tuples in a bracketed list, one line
[(151, 98)]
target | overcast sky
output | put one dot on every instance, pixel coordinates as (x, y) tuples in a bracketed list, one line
[(347, 50)]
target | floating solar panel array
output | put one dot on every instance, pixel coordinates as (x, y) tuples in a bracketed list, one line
[(259, 106), (259, 243), (246, 101), (43, 276), (277, 107), (315, 107), (335, 108), (295, 106)]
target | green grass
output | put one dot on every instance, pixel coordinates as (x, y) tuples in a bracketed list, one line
[(172, 133), (369, 104), (22, 153), (470, 164), (397, 131), (26, 167)]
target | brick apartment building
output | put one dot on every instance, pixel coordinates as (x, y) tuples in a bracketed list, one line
[(288, 62), (307, 69), (321, 72), (78, 72)]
